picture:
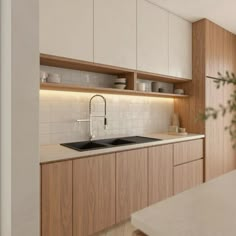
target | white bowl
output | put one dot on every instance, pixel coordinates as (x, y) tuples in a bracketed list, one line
[(141, 87), (120, 86), (120, 80), (54, 78)]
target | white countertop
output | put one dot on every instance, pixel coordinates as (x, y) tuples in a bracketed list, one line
[(207, 210), (52, 153)]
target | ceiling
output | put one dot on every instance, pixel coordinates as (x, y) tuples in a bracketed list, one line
[(222, 12)]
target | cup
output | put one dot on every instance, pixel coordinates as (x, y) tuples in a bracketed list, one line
[(155, 86), (141, 87), (54, 78)]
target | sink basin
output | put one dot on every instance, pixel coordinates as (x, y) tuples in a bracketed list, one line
[(107, 143), (116, 142), (84, 146)]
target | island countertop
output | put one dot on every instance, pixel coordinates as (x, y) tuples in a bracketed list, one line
[(207, 210), (52, 153)]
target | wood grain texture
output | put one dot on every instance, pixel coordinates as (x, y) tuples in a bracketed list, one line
[(187, 176), (214, 97), (214, 49), (131, 182), (160, 172), (56, 199), (93, 194), (229, 65), (188, 151), (213, 52)]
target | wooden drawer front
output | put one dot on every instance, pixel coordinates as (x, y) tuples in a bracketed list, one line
[(187, 176), (160, 171), (131, 183), (56, 199), (188, 151), (93, 194)]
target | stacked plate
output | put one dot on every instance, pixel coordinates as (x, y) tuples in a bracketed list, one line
[(120, 83)]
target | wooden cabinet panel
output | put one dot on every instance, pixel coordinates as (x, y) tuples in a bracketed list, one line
[(131, 182), (66, 28), (229, 60), (115, 32), (188, 151), (180, 47), (214, 142), (93, 194), (214, 49), (152, 38), (56, 199), (187, 176), (160, 173)]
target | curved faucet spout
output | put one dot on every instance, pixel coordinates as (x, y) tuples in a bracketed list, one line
[(90, 114)]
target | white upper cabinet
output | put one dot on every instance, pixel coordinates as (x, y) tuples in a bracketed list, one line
[(152, 38), (180, 47), (115, 32), (66, 28)]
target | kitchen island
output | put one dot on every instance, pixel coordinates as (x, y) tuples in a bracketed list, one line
[(207, 210)]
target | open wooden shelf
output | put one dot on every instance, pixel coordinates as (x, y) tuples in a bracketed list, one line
[(62, 62), (76, 88)]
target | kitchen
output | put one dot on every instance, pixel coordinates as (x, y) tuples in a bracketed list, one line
[(116, 114)]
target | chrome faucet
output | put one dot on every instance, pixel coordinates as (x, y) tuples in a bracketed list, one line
[(90, 120)]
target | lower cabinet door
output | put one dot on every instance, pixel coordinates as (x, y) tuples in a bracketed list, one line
[(93, 194), (188, 175), (160, 171), (56, 199), (131, 183)]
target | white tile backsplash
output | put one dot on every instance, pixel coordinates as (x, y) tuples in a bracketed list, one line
[(127, 115)]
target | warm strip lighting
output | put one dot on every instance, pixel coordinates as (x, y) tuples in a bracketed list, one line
[(129, 98)]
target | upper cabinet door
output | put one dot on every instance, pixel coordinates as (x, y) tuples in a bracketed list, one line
[(115, 32), (66, 28), (152, 38), (180, 47)]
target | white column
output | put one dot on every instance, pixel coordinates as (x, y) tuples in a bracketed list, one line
[(19, 95)]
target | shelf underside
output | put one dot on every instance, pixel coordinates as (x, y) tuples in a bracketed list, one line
[(76, 88)]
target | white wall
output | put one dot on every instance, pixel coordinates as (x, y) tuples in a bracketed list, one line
[(19, 118), (127, 115)]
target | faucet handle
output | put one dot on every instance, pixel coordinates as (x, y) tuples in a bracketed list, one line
[(105, 123)]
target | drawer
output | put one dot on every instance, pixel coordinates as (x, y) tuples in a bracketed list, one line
[(188, 151), (188, 175)]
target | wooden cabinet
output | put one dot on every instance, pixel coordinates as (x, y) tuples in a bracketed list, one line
[(152, 38), (214, 49), (160, 173), (56, 199), (180, 47), (188, 175), (229, 65), (115, 32), (66, 28), (84, 196), (188, 151), (131, 182), (93, 194), (213, 52)]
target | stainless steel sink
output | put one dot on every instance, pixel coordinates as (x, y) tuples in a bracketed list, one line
[(107, 143)]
